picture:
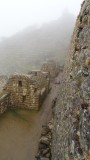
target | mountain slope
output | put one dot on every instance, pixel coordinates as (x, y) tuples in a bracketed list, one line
[(34, 45)]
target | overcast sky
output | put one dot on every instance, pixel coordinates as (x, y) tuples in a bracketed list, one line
[(15, 15)]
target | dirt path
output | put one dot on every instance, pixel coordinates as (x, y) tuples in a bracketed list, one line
[(20, 130)]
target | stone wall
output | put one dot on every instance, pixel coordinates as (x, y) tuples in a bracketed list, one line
[(3, 81), (41, 78), (4, 102), (71, 134), (51, 67), (27, 91)]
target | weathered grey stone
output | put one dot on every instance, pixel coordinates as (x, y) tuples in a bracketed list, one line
[(71, 133), (44, 140), (86, 87), (85, 36), (83, 71), (45, 151), (84, 54), (43, 158), (45, 131)]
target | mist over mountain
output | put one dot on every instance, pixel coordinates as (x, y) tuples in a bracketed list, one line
[(30, 48)]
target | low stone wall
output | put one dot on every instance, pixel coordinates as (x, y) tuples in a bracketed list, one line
[(44, 147), (4, 102)]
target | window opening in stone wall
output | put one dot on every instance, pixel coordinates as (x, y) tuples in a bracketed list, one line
[(24, 98), (35, 73), (20, 83), (35, 90)]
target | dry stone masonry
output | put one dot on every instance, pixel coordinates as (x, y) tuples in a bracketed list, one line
[(44, 147), (51, 67), (71, 133), (4, 96), (3, 81), (4, 102), (27, 90)]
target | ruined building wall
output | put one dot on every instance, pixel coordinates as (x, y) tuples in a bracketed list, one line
[(50, 67), (22, 93), (27, 91), (71, 134), (3, 81), (42, 79), (4, 102)]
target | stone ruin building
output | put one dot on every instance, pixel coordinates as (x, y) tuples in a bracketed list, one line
[(51, 67), (25, 91), (3, 80)]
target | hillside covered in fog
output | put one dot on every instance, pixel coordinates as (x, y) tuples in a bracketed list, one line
[(30, 48)]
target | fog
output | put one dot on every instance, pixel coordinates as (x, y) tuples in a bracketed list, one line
[(34, 31), (31, 33), (15, 15)]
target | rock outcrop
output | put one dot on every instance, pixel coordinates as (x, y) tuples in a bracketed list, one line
[(71, 134)]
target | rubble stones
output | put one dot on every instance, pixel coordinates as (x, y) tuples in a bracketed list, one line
[(45, 130), (44, 148), (44, 140)]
